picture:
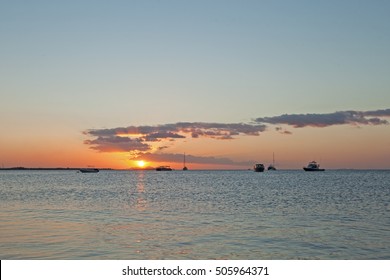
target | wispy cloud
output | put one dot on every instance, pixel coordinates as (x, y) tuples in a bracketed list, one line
[(281, 130), (329, 119)]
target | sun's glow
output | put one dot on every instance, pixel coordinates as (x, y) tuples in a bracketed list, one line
[(141, 163)]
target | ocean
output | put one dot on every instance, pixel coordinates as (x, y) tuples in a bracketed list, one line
[(125, 215)]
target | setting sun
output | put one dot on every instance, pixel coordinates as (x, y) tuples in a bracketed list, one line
[(141, 163)]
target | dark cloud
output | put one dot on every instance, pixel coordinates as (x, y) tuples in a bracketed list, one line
[(178, 130), (329, 119), (139, 139), (136, 138), (116, 144), (378, 113)]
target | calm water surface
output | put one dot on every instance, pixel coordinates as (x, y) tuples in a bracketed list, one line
[(195, 215)]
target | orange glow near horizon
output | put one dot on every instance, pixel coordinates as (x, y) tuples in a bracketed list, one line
[(333, 147)]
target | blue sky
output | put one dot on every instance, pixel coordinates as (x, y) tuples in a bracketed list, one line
[(70, 66)]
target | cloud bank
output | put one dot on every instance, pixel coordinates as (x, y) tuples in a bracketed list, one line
[(140, 138), (148, 142), (181, 129), (324, 120)]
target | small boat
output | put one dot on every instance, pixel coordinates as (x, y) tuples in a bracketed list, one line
[(163, 168), (272, 166), (89, 170), (313, 166), (184, 163), (258, 167)]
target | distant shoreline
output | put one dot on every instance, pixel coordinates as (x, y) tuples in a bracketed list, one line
[(19, 168), (49, 168)]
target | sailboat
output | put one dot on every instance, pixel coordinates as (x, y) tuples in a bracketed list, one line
[(272, 166), (184, 163)]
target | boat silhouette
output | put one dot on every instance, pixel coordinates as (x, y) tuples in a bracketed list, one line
[(164, 168), (184, 163), (272, 166), (89, 170), (313, 166), (258, 167)]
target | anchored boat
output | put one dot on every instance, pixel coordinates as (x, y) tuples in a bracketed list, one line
[(164, 168), (272, 166), (184, 163), (258, 167), (313, 166), (89, 170)]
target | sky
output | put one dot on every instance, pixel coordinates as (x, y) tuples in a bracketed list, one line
[(119, 84)]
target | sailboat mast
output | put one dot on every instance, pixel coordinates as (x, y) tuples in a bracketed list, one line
[(184, 162)]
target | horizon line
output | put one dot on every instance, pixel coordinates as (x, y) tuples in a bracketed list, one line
[(20, 168)]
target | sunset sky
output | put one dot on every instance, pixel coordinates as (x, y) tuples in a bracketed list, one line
[(229, 83)]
